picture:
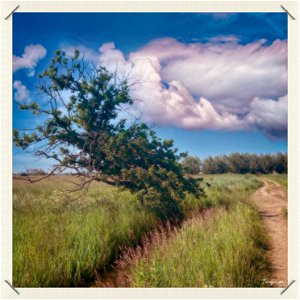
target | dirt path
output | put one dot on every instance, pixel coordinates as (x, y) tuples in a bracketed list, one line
[(271, 200)]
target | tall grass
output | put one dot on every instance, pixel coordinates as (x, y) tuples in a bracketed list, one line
[(222, 189), (226, 251), (60, 242)]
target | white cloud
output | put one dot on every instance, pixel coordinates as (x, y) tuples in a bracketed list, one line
[(21, 92), (106, 47), (163, 104), (220, 84), (29, 59), (269, 115), (227, 73), (31, 73)]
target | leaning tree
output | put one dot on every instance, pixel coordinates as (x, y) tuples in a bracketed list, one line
[(82, 131)]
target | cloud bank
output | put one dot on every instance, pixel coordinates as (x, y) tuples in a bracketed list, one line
[(29, 59), (227, 73), (217, 84), (220, 84)]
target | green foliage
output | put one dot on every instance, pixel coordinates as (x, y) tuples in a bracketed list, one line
[(192, 164), (84, 133), (246, 163)]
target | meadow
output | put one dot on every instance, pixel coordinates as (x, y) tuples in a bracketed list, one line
[(58, 241), (61, 241)]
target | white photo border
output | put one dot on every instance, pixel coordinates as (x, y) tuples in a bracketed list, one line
[(6, 147)]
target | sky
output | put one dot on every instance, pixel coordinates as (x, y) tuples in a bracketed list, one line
[(216, 83)]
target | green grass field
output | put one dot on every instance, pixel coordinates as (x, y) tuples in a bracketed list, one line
[(60, 242)]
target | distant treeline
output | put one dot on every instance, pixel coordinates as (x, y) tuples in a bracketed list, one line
[(241, 163), (238, 163)]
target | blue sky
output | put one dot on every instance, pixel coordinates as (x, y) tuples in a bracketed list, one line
[(220, 80)]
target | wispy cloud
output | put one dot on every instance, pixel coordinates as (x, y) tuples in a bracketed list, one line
[(224, 39), (29, 59)]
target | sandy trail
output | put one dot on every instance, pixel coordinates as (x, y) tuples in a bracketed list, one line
[(271, 199)]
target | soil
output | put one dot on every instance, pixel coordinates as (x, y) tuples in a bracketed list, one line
[(271, 201)]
